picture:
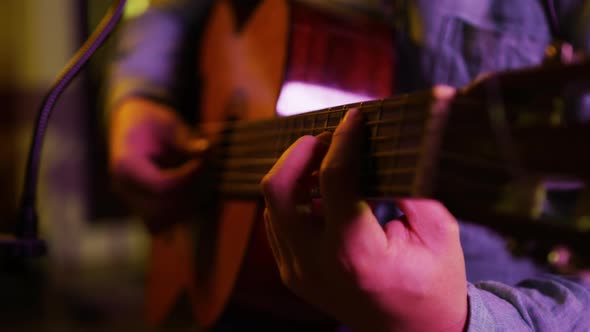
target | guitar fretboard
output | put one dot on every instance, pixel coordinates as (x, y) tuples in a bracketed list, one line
[(399, 133)]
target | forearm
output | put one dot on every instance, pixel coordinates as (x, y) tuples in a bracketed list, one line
[(549, 303), (149, 54)]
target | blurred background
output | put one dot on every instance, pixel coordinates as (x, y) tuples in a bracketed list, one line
[(92, 278)]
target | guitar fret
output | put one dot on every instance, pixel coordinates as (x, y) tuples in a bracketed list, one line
[(389, 163), (294, 134), (256, 176), (294, 130), (301, 126), (310, 124), (395, 153), (410, 127), (247, 161), (248, 189), (379, 119), (277, 143), (375, 133), (287, 135), (289, 129), (397, 145), (284, 138)]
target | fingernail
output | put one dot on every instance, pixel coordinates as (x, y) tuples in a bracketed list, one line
[(325, 137), (352, 113)]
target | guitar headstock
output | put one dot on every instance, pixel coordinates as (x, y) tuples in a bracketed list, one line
[(513, 139), (551, 79), (537, 113)]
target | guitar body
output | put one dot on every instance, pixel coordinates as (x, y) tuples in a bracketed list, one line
[(251, 51)]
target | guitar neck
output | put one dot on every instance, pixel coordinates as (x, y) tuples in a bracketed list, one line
[(402, 136), (404, 154)]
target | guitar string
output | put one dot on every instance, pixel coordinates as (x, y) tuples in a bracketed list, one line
[(291, 127), (230, 179), (236, 163), (229, 185), (238, 140), (261, 161), (234, 173), (240, 179), (366, 107), (403, 129), (319, 115), (254, 189), (257, 175), (267, 148), (238, 147), (235, 181)]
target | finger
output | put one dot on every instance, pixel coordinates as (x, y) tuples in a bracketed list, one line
[(287, 183), (340, 169), (349, 219), (429, 220), (273, 239)]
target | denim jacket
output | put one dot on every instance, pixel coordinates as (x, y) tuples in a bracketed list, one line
[(438, 42)]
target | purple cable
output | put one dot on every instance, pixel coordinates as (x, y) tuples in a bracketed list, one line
[(27, 225)]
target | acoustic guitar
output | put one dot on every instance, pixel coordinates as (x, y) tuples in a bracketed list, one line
[(264, 58)]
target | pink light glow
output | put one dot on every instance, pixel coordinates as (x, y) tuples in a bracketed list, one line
[(301, 97)]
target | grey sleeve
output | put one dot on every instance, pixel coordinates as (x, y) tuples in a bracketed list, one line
[(548, 303)]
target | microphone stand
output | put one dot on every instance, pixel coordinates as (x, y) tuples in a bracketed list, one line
[(25, 243)]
